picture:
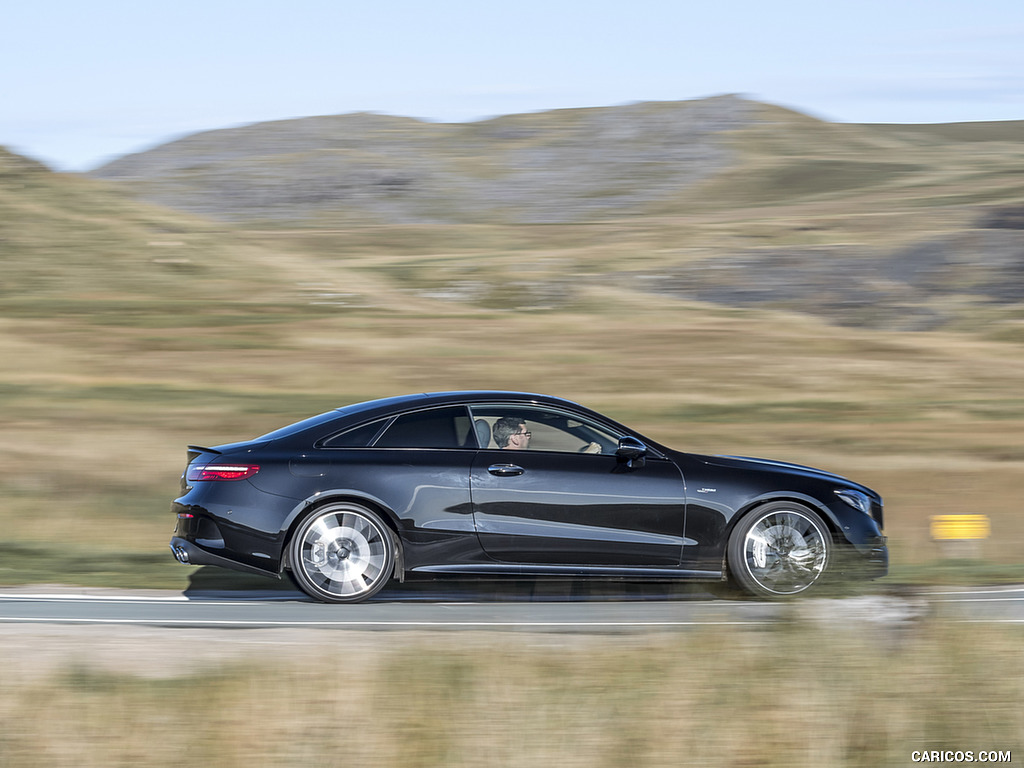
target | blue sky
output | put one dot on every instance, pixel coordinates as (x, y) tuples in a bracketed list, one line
[(83, 82)]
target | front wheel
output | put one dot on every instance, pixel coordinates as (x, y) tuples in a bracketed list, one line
[(342, 553), (779, 550)]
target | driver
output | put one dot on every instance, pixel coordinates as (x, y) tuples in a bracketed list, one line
[(510, 433)]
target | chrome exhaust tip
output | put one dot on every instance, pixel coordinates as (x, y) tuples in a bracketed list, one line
[(180, 554)]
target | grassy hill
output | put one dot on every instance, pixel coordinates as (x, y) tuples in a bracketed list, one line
[(567, 166), (842, 296), (720, 200)]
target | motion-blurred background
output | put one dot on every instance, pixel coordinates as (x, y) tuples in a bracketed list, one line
[(836, 282), (728, 276)]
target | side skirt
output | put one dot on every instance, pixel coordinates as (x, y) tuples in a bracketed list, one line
[(597, 571)]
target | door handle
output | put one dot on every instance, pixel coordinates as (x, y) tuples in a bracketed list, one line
[(505, 470)]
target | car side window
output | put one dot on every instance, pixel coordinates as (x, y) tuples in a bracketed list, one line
[(435, 428), (550, 430), (359, 437)]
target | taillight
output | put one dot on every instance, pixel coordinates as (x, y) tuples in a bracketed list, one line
[(221, 472)]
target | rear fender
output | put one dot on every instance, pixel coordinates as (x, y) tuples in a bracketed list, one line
[(301, 510)]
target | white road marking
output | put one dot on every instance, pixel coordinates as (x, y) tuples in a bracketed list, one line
[(984, 600), (247, 623), (460, 612), (990, 621), (131, 599)]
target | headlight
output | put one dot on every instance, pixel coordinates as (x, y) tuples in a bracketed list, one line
[(856, 499)]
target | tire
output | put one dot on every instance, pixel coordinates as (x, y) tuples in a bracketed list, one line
[(342, 553), (779, 550)]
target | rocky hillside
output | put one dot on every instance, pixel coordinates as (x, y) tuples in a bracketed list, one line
[(566, 165), (722, 200)]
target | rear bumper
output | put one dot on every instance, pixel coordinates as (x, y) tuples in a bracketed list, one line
[(189, 553)]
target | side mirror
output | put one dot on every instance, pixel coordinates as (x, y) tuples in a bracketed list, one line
[(631, 450)]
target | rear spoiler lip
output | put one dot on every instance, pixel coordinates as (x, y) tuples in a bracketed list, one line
[(201, 449)]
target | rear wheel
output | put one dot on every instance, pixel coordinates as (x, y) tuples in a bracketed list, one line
[(342, 553), (779, 550)]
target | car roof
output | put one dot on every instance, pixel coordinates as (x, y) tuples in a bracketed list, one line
[(369, 410), (456, 396), (382, 407)]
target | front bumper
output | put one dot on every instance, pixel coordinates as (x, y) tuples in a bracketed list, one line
[(867, 563), (877, 561)]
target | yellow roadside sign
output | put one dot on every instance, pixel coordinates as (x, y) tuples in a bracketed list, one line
[(960, 527)]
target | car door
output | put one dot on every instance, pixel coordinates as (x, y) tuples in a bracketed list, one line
[(554, 504)]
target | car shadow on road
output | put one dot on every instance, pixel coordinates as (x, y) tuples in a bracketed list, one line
[(208, 582), (211, 583)]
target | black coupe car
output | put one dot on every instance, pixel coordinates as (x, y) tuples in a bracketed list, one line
[(486, 484)]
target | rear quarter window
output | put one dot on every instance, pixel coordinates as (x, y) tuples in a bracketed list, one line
[(358, 437), (435, 428)]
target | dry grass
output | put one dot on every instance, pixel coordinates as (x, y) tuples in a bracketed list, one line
[(796, 695)]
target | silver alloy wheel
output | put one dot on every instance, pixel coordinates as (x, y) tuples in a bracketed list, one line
[(342, 553), (785, 550)]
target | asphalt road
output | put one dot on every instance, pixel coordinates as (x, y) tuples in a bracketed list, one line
[(554, 608)]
